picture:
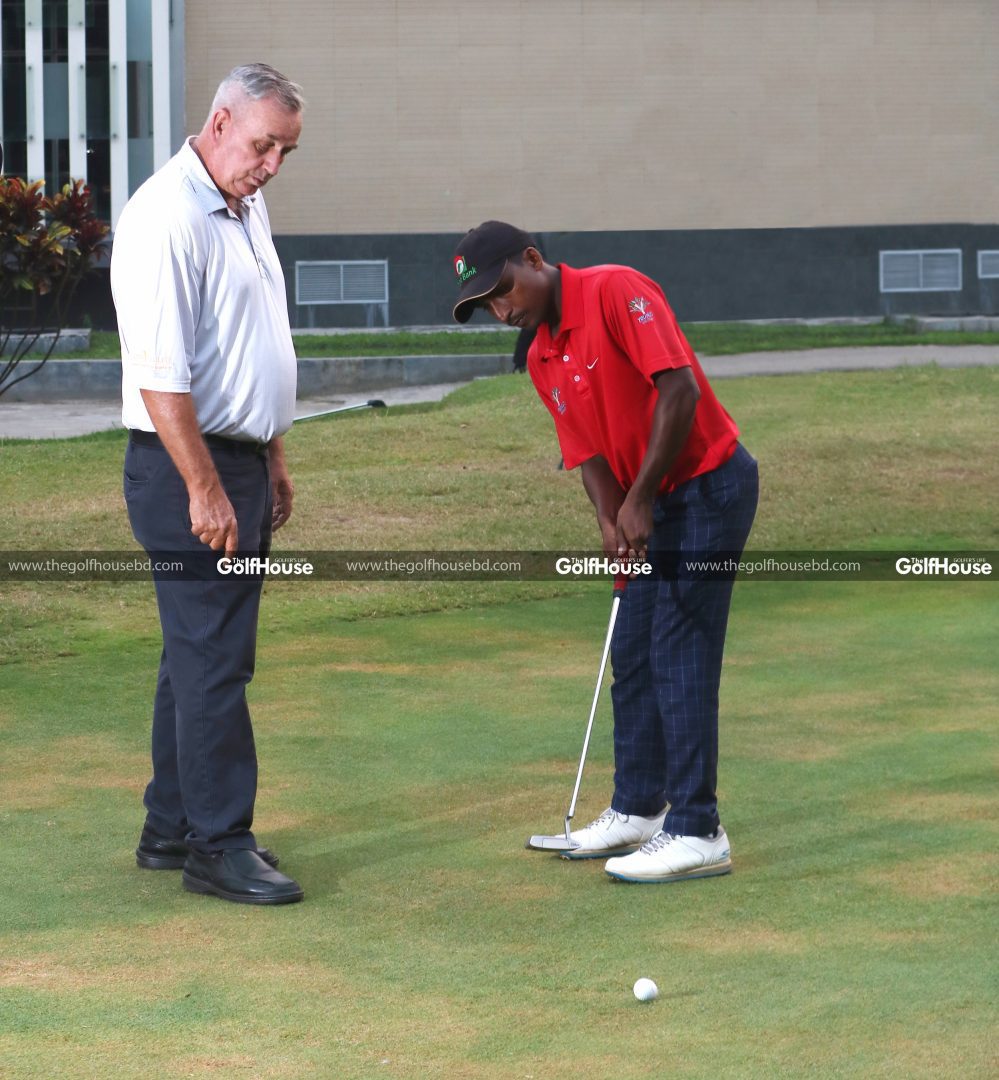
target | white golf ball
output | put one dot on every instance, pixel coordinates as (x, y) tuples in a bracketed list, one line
[(646, 990)]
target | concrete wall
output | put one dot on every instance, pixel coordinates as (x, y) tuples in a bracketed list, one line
[(753, 155), (708, 274), (427, 116)]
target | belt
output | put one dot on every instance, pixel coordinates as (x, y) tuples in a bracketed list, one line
[(214, 442)]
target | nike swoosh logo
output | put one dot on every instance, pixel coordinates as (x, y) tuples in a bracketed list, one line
[(590, 367)]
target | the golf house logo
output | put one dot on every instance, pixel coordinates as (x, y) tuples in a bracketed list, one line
[(942, 566), (641, 307), (557, 398), (461, 268)]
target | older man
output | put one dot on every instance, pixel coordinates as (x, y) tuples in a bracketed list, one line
[(208, 384)]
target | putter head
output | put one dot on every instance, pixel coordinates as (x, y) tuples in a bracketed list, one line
[(551, 843)]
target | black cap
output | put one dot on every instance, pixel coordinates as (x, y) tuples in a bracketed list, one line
[(479, 261)]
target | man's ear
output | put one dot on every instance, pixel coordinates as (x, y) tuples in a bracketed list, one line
[(533, 258), (221, 119)]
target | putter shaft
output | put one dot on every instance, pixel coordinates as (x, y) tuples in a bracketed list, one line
[(593, 712), (374, 403)]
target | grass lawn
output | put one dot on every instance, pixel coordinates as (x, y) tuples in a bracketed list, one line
[(406, 757), (708, 338)]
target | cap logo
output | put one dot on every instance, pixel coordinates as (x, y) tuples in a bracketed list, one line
[(463, 271)]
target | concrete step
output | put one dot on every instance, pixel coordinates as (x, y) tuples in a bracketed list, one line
[(100, 380)]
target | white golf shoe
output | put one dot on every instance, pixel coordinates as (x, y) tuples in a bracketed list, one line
[(613, 834), (675, 858)]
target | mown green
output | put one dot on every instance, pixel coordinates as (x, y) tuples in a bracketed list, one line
[(405, 758)]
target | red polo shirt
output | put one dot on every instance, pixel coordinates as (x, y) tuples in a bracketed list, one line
[(617, 332)]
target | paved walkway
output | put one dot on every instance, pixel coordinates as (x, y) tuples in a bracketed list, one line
[(60, 419), (866, 358)]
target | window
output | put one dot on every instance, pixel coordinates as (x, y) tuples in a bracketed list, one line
[(921, 271), (15, 106), (349, 282), (988, 264)]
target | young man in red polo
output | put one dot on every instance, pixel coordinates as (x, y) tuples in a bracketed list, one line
[(662, 464)]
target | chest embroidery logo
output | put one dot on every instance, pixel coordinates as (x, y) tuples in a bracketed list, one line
[(557, 398), (642, 308), (590, 367)]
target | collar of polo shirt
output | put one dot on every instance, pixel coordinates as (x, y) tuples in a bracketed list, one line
[(207, 191), (571, 308)]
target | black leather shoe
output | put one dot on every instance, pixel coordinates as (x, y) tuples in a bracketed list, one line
[(239, 875), (161, 853)]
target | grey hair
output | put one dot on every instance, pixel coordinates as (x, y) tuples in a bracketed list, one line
[(257, 81)]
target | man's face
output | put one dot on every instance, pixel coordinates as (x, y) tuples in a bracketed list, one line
[(255, 139), (523, 295)]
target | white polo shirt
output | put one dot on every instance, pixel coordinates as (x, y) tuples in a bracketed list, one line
[(201, 305)]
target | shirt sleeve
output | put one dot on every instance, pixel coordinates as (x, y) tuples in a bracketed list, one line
[(641, 322), (156, 284)]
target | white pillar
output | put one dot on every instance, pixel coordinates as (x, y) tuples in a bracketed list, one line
[(162, 147), (118, 50), (34, 89), (77, 77)]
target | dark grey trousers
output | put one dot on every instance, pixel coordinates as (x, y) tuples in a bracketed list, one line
[(204, 760)]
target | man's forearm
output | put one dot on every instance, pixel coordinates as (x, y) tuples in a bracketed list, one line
[(607, 496), (672, 420), (213, 520), (176, 423), (275, 451), (603, 488), (282, 489)]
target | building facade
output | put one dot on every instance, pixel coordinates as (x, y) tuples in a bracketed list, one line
[(761, 158), (90, 89)]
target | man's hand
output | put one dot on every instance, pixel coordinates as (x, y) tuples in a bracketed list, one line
[(213, 520), (634, 527)]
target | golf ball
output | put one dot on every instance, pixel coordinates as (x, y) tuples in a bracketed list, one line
[(646, 990)]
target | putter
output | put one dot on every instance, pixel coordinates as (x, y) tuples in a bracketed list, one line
[(564, 842), (374, 403)]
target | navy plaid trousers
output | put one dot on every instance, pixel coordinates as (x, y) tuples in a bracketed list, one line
[(667, 650)]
